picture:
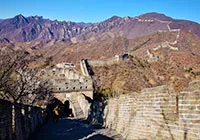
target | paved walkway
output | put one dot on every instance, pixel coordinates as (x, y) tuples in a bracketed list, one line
[(70, 129)]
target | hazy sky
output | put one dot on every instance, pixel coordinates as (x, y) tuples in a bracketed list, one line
[(98, 10)]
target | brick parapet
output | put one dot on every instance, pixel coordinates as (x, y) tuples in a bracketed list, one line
[(155, 113), (17, 121)]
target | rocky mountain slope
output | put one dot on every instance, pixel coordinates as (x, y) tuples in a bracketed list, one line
[(36, 28), (135, 74), (145, 47), (24, 29), (154, 63)]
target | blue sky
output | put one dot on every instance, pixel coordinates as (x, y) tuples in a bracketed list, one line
[(98, 10)]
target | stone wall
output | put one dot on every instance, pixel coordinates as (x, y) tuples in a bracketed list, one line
[(108, 61), (66, 85), (17, 121), (156, 113), (84, 68), (66, 80), (80, 105)]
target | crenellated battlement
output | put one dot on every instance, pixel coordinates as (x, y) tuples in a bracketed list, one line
[(66, 80)]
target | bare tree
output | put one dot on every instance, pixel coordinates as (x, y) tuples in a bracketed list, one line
[(42, 93), (18, 82)]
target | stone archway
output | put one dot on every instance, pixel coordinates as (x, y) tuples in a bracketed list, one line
[(78, 102)]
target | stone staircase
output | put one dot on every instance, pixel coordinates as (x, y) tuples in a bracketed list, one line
[(77, 111)]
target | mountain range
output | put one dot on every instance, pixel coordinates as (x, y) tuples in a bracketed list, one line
[(163, 50), (36, 28)]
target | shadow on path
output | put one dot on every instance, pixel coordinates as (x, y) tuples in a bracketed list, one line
[(71, 129)]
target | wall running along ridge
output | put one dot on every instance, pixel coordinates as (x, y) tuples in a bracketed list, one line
[(17, 121), (156, 113)]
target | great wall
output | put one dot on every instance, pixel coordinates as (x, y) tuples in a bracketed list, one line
[(154, 113), (165, 44)]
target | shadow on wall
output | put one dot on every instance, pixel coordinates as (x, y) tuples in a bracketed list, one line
[(90, 71), (19, 121), (88, 98), (96, 114), (96, 111)]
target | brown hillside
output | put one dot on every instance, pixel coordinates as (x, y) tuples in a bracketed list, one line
[(134, 74)]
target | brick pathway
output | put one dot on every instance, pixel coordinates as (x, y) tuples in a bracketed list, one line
[(69, 129)]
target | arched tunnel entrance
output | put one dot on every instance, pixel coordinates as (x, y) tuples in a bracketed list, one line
[(77, 103), (64, 108)]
